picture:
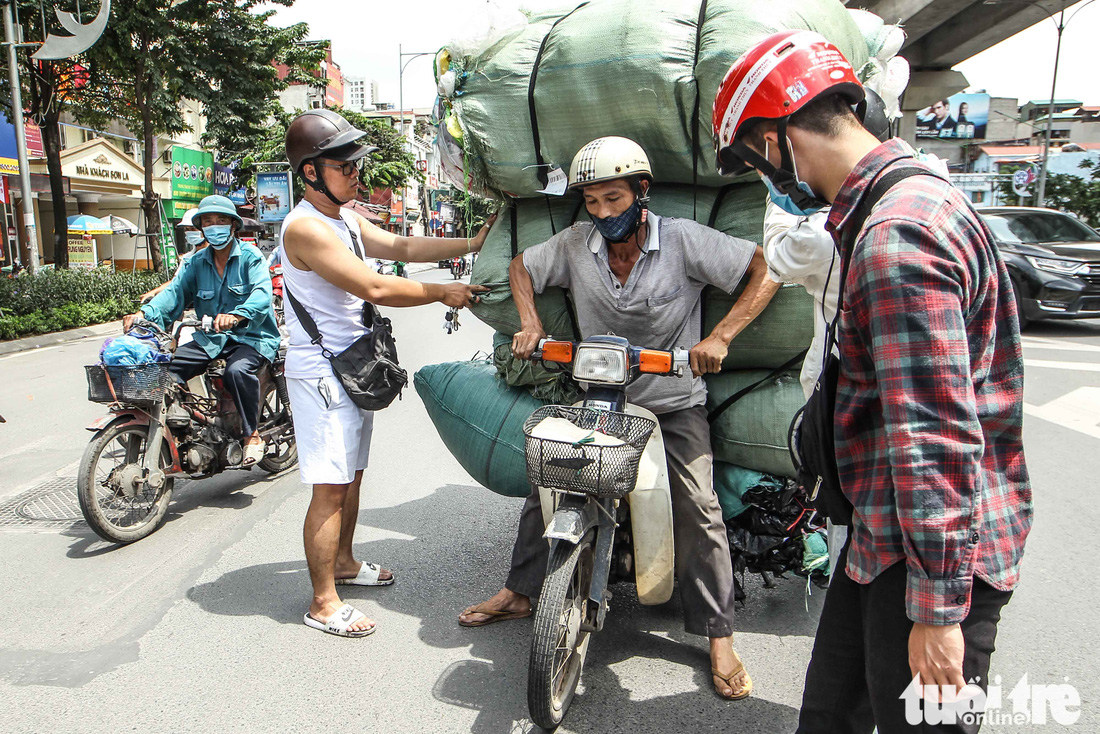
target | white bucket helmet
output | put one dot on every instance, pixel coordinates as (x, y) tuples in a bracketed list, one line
[(607, 159), (188, 219)]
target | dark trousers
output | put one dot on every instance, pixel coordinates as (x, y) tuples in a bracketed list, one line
[(242, 376), (860, 663), (703, 566)]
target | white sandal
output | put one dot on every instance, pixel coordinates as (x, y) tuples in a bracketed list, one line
[(368, 576), (339, 623), (253, 453)]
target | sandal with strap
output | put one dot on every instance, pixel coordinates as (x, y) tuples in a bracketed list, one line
[(494, 616), (728, 680), (370, 574), (339, 623)]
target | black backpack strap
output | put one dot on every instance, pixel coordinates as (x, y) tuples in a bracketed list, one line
[(725, 404)]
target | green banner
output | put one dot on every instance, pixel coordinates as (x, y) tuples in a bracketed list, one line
[(192, 173)]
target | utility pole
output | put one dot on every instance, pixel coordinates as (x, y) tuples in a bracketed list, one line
[(401, 64), (20, 138)]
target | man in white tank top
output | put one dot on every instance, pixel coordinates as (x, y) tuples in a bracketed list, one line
[(324, 273)]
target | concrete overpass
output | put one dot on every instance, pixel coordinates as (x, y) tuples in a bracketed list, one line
[(942, 33)]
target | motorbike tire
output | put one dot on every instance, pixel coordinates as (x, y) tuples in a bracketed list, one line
[(273, 408), (569, 574), (87, 483)]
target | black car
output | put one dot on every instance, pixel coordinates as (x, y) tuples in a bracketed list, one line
[(1054, 261)]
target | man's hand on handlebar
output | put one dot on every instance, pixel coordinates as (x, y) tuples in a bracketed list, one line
[(707, 356), (460, 295), (227, 321), (526, 341)]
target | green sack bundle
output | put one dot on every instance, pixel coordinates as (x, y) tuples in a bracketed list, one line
[(480, 420), (752, 432), (613, 67)]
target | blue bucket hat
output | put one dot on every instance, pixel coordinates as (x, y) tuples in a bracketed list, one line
[(217, 204)]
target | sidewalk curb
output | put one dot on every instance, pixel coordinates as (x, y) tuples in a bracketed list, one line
[(26, 344)]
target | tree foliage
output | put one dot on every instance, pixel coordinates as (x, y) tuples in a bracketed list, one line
[(1080, 196), (156, 53), (389, 167)]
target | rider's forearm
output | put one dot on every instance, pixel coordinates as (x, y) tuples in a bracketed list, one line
[(756, 296), (259, 300), (523, 293), (430, 249), (389, 290)]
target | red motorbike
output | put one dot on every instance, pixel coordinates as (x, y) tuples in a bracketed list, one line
[(157, 431), (276, 272)]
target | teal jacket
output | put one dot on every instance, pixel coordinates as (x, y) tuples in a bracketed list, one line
[(244, 290)]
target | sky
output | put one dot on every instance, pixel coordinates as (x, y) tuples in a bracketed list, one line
[(366, 34)]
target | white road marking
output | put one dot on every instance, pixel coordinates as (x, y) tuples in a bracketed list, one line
[(1054, 365), (1061, 346), (1078, 410)]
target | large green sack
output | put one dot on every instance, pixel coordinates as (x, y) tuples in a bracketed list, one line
[(480, 419), (783, 329), (753, 431), (647, 71), (740, 213)]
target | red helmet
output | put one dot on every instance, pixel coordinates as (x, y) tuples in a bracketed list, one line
[(774, 79)]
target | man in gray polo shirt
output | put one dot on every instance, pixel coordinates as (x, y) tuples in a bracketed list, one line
[(640, 276)]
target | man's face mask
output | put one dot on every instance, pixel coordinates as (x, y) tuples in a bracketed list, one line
[(193, 237), (784, 201), (620, 228), (218, 235)]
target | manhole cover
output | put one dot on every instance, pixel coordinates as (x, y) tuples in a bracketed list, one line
[(51, 504)]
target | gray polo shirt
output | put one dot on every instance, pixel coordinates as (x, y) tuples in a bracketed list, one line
[(659, 307)]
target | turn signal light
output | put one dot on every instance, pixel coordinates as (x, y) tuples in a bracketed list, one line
[(558, 352), (655, 362)]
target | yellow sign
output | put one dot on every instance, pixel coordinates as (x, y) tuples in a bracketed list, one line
[(82, 253)]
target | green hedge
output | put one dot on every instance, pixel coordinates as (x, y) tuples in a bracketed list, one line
[(56, 300)]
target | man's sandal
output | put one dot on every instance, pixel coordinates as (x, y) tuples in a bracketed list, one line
[(728, 680), (369, 575), (494, 616), (339, 623)]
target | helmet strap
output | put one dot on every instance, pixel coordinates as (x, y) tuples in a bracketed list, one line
[(642, 197), (319, 184), (785, 177)]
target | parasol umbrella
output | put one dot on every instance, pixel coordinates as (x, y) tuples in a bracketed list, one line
[(121, 225), (85, 224)]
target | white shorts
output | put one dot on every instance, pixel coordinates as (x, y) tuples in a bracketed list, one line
[(332, 433)]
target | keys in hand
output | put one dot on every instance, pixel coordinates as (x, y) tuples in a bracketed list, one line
[(450, 321)]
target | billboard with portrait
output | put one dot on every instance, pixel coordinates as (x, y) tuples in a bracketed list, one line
[(960, 116), (274, 197)]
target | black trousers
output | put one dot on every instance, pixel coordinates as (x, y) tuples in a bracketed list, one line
[(242, 376), (860, 663)]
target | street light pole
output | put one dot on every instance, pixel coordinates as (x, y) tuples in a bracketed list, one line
[(20, 139), (401, 64)]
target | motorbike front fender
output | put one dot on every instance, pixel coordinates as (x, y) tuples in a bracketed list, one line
[(571, 523), (136, 417)]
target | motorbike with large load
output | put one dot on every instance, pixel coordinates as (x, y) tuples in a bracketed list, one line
[(600, 470), (157, 431)]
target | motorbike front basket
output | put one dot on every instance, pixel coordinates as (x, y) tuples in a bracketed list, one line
[(139, 385), (600, 453)]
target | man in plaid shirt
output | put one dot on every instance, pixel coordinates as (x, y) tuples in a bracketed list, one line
[(929, 400)]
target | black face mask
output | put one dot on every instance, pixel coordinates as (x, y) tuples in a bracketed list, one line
[(624, 226)]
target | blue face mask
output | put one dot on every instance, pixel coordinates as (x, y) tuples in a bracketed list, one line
[(620, 228), (193, 237), (218, 235), (784, 201)]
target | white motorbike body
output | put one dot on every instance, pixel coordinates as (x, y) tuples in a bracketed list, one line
[(650, 518)]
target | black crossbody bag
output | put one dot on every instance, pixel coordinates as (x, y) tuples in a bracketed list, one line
[(811, 438), (368, 369)]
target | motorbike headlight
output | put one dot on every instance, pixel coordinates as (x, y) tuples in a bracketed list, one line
[(1061, 267), (605, 364)]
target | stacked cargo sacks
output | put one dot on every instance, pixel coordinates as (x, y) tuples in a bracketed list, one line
[(516, 107)]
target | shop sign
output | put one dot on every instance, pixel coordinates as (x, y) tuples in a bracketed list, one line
[(274, 196), (192, 173), (177, 208), (223, 179), (82, 252), (100, 168)]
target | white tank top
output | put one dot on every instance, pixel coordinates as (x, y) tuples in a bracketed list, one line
[(338, 314)]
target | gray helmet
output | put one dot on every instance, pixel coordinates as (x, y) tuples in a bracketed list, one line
[(316, 133)]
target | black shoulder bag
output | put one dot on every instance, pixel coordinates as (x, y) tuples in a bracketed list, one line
[(811, 439), (368, 369)]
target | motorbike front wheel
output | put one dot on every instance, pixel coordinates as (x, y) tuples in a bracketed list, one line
[(116, 509), (558, 645)]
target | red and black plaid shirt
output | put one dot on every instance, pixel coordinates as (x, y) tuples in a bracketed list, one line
[(929, 410)]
